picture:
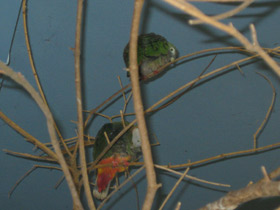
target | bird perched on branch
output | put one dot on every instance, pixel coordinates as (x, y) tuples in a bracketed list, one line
[(153, 52), (125, 150)]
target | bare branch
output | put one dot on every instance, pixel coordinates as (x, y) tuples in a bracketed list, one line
[(138, 107), (26, 155), (228, 14), (174, 188), (80, 105), (229, 29), (28, 136), (166, 168), (31, 60), (28, 173), (253, 191), (268, 111), (19, 78)]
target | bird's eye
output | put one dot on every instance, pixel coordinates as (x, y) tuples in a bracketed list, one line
[(172, 49)]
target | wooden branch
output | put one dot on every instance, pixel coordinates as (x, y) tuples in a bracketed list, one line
[(28, 173), (25, 134), (272, 175), (268, 113), (178, 206), (29, 156), (229, 29), (138, 107), (166, 168), (228, 14), (92, 112), (253, 191), (79, 104), (174, 188), (34, 71), (19, 78), (226, 155), (29, 51)]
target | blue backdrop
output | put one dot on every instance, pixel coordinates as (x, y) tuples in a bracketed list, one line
[(218, 116)]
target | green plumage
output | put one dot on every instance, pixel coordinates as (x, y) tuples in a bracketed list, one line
[(153, 52), (123, 146), (119, 155)]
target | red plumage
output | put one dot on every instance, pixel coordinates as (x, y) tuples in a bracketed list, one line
[(106, 174)]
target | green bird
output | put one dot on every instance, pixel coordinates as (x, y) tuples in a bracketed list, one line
[(153, 52), (125, 150)]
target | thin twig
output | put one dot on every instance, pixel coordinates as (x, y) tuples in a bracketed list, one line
[(126, 99), (29, 156), (239, 69), (31, 60), (80, 105), (225, 155), (268, 111), (228, 14), (136, 190), (26, 174), (13, 36), (173, 189), (196, 80), (265, 174), (27, 136), (123, 93), (216, 71), (103, 103), (59, 182), (181, 94), (2, 82), (190, 177), (122, 118), (272, 175), (106, 137), (178, 206)]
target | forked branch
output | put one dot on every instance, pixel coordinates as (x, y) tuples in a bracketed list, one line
[(19, 78), (138, 107)]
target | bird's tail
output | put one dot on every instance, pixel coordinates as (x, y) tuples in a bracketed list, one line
[(103, 194)]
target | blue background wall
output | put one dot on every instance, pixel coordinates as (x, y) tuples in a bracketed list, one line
[(216, 117)]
